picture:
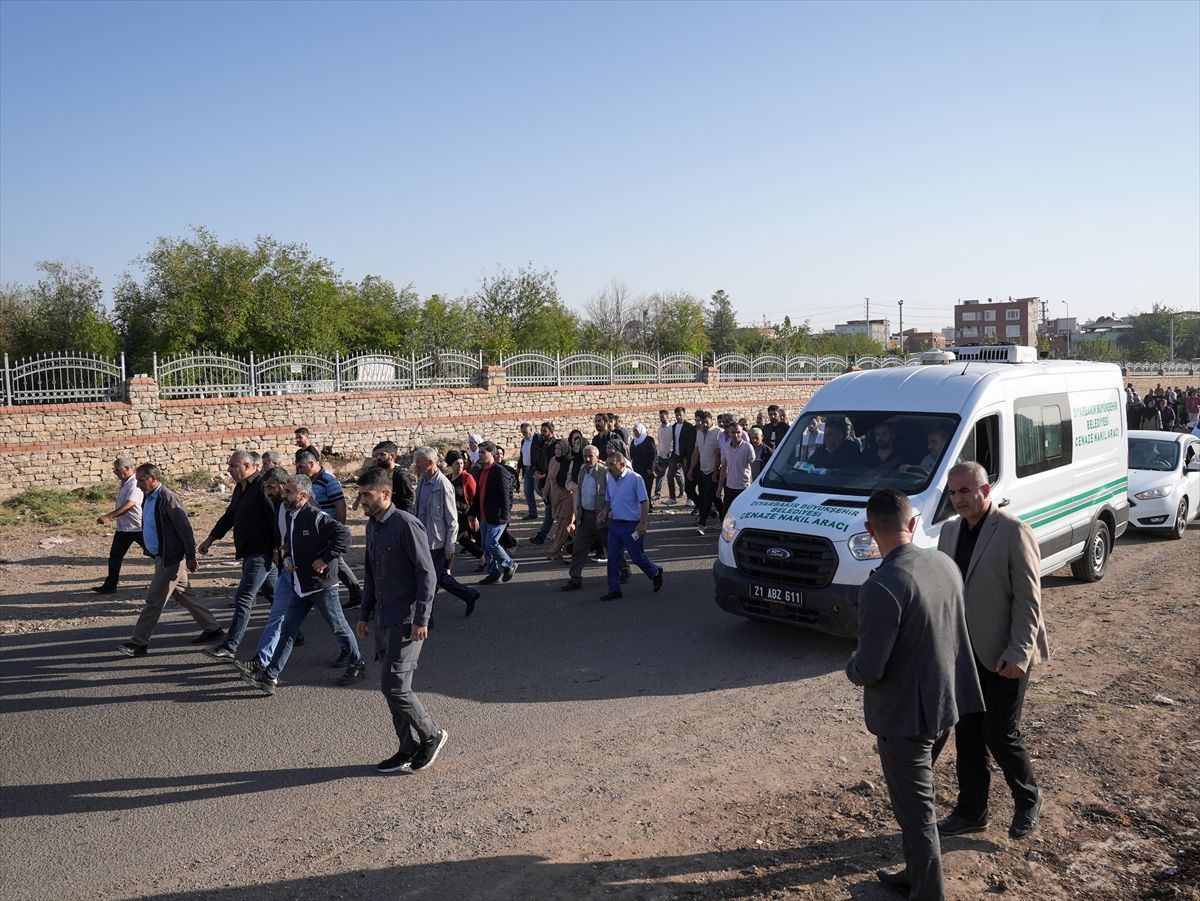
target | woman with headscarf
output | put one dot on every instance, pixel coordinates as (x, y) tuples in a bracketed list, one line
[(641, 456), (560, 497), (473, 442), (464, 491)]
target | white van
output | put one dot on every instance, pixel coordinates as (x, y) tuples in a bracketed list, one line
[(1051, 435)]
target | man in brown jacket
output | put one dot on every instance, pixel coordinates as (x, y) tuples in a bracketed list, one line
[(1001, 566)]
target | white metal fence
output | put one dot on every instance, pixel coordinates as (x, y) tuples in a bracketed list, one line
[(65, 377)]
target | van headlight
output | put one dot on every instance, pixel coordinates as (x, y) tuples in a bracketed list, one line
[(729, 528), (863, 547), (1152, 493)]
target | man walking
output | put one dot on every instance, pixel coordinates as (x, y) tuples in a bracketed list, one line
[(128, 514), (541, 453), (664, 439), (251, 515), (167, 537), (683, 442), (403, 496), (998, 557), (914, 662), (399, 586), (528, 482), (312, 544), (705, 468), (737, 463), (591, 509), (327, 494), (438, 513), (628, 506), (776, 427), (491, 508)]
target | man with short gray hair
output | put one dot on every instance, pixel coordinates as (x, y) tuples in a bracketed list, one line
[(128, 514), (438, 512)]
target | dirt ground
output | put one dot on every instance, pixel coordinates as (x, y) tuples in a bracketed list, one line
[(787, 801)]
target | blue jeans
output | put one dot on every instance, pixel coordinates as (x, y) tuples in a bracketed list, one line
[(623, 538), (257, 569), (327, 604), (497, 558), (269, 640), (530, 489)]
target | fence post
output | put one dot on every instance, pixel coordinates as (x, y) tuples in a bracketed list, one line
[(7, 384), (122, 366), (558, 367), (412, 368), (337, 371), (154, 365), (253, 377), (612, 369)]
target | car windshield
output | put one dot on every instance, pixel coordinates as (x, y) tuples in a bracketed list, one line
[(1153, 454), (858, 452)]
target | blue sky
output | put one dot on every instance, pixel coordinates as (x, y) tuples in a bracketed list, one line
[(800, 156)]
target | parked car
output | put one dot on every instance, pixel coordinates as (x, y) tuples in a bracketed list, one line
[(1164, 481)]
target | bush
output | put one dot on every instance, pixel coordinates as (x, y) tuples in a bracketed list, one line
[(58, 506)]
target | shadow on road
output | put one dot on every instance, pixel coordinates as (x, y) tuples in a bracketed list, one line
[(129, 794)]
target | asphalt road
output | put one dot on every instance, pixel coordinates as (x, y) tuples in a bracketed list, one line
[(128, 777)]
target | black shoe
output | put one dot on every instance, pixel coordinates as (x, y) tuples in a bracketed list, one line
[(538, 539), (657, 580), (249, 667), (571, 586), (509, 572), (261, 681), (610, 596), (471, 602), (209, 635), (429, 750), (1025, 821), (601, 558), (530, 516), (355, 672), (220, 652), (298, 641), (897, 880), (394, 764), (343, 660), (104, 589), (955, 824), (623, 577), (129, 649), (489, 579)]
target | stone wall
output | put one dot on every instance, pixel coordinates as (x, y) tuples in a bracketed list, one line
[(73, 445)]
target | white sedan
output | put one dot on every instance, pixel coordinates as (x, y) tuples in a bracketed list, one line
[(1164, 481)]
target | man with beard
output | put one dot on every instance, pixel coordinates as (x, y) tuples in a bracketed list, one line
[(683, 442), (400, 583), (328, 495), (883, 456), (438, 512), (312, 544), (839, 450)]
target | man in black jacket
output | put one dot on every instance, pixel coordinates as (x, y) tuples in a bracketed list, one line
[(251, 515), (683, 442), (915, 664), (168, 538), (541, 452), (491, 509), (312, 543), (398, 591)]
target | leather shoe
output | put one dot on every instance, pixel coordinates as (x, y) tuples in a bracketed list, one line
[(610, 596), (570, 586), (956, 824), (104, 589), (471, 603), (897, 880), (1025, 821), (658, 579), (209, 635), (489, 579)]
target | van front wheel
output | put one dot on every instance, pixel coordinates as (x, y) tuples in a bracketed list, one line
[(1090, 567)]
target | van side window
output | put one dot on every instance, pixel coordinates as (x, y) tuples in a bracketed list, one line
[(983, 447), (1043, 433)]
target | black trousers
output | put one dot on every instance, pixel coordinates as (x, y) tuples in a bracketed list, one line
[(347, 577), (121, 543), (998, 731), (706, 490), (447, 582), (908, 770), (728, 496)]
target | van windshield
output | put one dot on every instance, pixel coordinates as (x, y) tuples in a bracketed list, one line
[(858, 452)]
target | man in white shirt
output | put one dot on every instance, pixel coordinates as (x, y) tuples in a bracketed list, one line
[(527, 475), (128, 514), (705, 469), (664, 441), (813, 438)]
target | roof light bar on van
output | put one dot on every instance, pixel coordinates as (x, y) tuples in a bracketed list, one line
[(997, 353), (937, 358)]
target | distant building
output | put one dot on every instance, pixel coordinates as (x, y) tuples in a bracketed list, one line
[(879, 331), (996, 322), (1107, 328), (1063, 334), (914, 341)]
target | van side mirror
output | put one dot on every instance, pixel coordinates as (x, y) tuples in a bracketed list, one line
[(1194, 466)]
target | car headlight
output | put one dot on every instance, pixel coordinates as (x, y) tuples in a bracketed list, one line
[(729, 528), (863, 547), (1152, 493)]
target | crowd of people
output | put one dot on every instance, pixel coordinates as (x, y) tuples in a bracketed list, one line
[(1167, 409)]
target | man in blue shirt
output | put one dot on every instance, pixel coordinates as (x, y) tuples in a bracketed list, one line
[(327, 494), (628, 506)]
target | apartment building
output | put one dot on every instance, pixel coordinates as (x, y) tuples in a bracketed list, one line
[(996, 321)]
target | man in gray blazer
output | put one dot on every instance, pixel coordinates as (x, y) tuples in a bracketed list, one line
[(914, 662), (1001, 566), (438, 512)]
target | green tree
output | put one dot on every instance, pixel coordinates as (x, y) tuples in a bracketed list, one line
[(1149, 338), (507, 310), (1095, 349), (722, 324), (63, 311)]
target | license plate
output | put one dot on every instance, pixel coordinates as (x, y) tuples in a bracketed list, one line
[(779, 595)]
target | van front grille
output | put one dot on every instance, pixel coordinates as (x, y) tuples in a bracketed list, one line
[(805, 561)]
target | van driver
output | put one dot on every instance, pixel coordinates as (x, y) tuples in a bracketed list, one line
[(840, 449), (882, 456)]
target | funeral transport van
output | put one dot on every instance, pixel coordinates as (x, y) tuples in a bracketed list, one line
[(1051, 434)]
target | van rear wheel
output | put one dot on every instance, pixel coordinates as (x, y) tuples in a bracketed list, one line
[(1090, 567)]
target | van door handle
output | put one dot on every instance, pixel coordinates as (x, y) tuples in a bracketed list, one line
[(1004, 502)]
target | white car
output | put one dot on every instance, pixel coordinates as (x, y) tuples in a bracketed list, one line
[(1164, 481)]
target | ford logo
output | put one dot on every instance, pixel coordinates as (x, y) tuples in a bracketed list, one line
[(778, 553)]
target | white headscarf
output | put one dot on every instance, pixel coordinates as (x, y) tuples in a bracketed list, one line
[(639, 433), (473, 455)]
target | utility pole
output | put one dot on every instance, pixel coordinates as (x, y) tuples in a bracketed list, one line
[(901, 304), (868, 300)]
